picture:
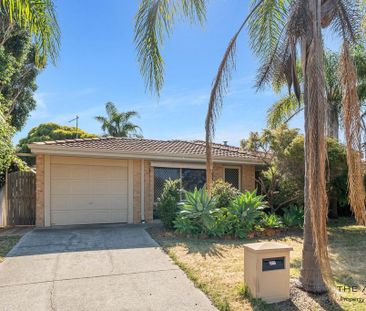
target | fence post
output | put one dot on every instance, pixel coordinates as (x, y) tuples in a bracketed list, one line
[(5, 204)]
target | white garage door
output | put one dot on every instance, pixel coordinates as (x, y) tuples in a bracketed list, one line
[(85, 191)]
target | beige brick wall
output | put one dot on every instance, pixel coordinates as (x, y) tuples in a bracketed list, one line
[(247, 175), (247, 178), (218, 171), (136, 191), (149, 191), (40, 190)]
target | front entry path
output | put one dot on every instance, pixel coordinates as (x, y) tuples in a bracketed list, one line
[(110, 267)]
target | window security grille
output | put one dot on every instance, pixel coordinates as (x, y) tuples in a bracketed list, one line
[(191, 178), (161, 174), (232, 177)]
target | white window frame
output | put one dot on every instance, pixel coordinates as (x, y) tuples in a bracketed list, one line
[(239, 172)]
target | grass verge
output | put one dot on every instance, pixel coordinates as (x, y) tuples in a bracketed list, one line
[(6, 244), (217, 268)]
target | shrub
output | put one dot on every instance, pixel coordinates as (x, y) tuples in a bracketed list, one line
[(199, 208), (293, 216), (244, 213), (186, 226), (224, 193), (167, 207), (199, 215), (271, 221)]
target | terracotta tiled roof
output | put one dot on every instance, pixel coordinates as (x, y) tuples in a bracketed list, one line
[(150, 146)]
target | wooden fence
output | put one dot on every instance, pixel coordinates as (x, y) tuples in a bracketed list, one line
[(21, 198)]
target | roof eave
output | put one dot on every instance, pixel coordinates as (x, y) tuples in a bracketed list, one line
[(57, 150)]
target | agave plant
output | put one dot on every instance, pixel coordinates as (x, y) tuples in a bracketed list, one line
[(200, 208), (244, 212), (249, 206)]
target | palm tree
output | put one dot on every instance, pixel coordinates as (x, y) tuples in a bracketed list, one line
[(288, 106), (118, 124), (39, 19), (279, 30)]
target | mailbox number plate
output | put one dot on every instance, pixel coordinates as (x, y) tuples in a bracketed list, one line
[(269, 264)]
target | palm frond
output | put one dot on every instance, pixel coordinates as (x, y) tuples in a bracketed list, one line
[(266, 25), (346, 21), (154, 20), (283, 111), (39, 18), (352, 128), (219, 88), (332, 83), (221, 82), (130, 114), (111, 109)]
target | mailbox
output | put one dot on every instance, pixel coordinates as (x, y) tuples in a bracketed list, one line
[(267, 270)]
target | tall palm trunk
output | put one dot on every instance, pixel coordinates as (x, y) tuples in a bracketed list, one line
[(315, 235), (333, 132), (310, 275), (332, 120), (209, 164)]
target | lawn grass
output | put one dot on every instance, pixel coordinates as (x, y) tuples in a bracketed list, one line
[(217, 268), (6, 244)]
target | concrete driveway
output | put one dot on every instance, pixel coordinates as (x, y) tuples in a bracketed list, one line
[(111, 267)]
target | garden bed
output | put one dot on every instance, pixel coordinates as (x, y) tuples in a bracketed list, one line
[(217, 267)]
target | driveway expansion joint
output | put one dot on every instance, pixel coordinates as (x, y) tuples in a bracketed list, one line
[(89, 277)]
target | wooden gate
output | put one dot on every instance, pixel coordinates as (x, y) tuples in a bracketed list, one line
[(21, 197)]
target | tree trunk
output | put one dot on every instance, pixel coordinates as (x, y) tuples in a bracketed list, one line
[(333, 132), (315, 204), (311, 278), (332, 121), (209, 163)]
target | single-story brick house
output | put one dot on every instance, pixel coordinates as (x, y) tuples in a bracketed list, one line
[(110, 180)]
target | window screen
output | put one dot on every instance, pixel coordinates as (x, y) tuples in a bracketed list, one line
[(161, 174), (193, 178), (232, 176)]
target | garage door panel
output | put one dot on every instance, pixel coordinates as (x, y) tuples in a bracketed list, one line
[(108, 172), (60, 187), (80, 172), (87, 217), (109, 188), (61, 171), (86, 202), (82, 194), (80, 187)]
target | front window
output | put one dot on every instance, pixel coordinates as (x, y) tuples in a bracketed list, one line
[(191, 178), (232, 177), (161, 174)]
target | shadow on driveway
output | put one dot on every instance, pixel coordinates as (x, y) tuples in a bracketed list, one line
[(82, 238)]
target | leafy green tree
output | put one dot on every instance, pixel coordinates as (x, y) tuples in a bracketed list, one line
[(50, 131), (18, 73), (118, 124), (38, 18), (8, 159), (6, 150), (286, 162)]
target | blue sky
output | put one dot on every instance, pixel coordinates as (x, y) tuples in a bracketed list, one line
[(98, 63)]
